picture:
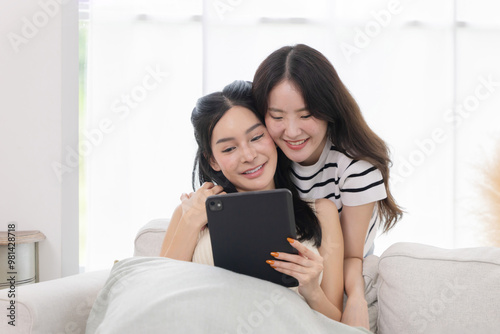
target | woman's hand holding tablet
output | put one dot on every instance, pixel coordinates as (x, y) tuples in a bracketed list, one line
[(306, 267)]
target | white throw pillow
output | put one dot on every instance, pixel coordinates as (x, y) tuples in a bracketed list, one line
[(160, 295)]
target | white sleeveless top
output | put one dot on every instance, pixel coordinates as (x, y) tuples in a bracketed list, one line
[(203, 250)]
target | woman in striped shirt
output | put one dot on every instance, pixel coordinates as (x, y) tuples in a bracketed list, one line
[(318, 125)]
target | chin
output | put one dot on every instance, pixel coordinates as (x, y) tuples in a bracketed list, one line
[(249, 187), (261, 185), (298, 158)]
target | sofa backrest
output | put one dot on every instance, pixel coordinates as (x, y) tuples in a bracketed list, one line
[(149, 238), (424, 289)]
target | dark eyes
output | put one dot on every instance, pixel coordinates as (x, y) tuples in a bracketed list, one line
[(303, 117), (232, 148), (257, 137)]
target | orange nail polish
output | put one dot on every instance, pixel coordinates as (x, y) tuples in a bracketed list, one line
[(275, 254), (270, 262), (290, 240)]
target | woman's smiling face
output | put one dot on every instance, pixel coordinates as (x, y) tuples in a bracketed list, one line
[(300, 135), (244, 151)]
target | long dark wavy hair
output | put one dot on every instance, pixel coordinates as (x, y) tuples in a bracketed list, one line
[(327, 99), (208, 111)]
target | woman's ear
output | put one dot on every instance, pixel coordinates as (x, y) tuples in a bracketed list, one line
[(215, 166)]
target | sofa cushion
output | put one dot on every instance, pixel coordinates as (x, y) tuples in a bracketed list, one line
[(149, 239), (370, 275), (424, 289), (56, 306)]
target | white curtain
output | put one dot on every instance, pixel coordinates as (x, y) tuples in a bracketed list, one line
[(411, 65)]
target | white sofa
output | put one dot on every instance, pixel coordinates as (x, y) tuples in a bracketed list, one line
[(411, 288)]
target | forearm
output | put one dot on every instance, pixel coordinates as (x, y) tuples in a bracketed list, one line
[(182, 234), (353, 278), (322, 304), (172, 227), (184, 241), (355, 221)]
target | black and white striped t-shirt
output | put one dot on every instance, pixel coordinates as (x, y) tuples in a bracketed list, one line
[(344, 181)]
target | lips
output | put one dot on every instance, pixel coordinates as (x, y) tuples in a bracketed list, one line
[(296, 144), (254, 172), (250, 171)]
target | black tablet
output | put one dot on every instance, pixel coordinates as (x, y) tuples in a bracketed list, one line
[(246, 227)]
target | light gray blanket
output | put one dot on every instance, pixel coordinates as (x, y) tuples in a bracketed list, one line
[(160, 295)]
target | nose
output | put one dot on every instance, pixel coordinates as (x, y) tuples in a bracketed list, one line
[(292, 129), (248, 153)]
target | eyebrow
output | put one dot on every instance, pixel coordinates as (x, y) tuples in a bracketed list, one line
[(250, 129), (279, 110)]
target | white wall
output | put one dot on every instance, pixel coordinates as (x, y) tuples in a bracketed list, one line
[(38, 121)]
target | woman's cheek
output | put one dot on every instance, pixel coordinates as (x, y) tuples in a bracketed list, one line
[(224, 164), (270, 148), (273, 130), (231, 163)]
